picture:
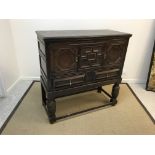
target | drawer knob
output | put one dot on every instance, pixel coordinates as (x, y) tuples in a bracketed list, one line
[(70, 82)]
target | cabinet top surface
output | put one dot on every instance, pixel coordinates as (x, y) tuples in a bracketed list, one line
[(78, 33)]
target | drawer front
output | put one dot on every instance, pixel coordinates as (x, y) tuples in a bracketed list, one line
[(107, 75), (87, 77), (101, 75), (68, 82)]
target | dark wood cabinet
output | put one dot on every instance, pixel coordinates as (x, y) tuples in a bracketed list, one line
[(80, 60)]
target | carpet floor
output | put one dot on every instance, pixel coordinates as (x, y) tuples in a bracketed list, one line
[(126, 118)]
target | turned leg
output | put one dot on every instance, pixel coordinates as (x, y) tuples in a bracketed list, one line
[(114, 94), (43, 95), (51, 109)]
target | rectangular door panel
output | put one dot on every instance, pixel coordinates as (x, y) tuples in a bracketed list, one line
[(92, 55)]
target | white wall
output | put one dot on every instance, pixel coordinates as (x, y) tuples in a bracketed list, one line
[(138, 54), (8, 62)]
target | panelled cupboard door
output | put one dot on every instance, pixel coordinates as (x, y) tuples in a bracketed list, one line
[(115, 52), (63, 57), (91, 55)]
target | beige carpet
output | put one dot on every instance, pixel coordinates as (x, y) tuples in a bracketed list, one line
[(127, 117)]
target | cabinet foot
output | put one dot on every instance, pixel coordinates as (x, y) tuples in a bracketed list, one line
[(113, 102), (52, 119)]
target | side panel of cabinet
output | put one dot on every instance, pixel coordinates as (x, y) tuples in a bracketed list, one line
[(44, 65)]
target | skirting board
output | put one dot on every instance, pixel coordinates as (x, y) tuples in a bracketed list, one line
[(2, 87), (13, 84), (134, 81), (19, 79), (37, 78), (130, 81)]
